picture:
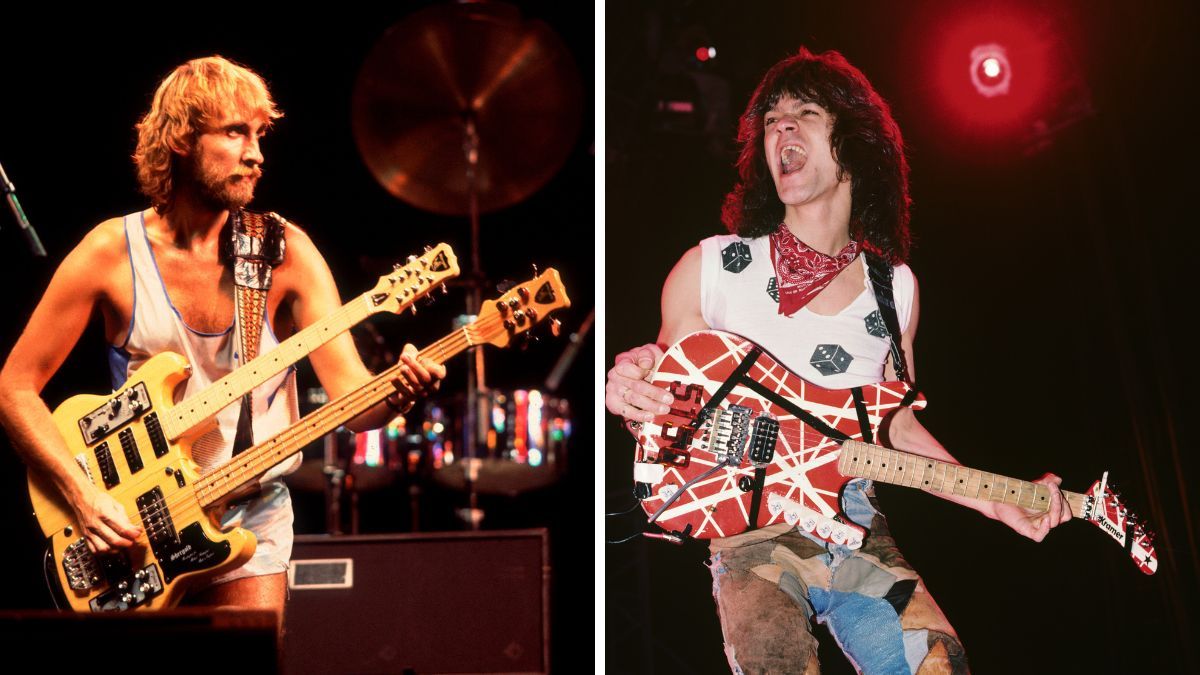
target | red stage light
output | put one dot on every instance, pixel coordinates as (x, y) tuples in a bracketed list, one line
[(990, 70), (702, 53)]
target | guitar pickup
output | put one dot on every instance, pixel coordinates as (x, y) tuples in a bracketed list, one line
[(108, 469), (120, 409), (762, 440)]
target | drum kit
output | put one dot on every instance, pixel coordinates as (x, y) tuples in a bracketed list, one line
[(460, 109)]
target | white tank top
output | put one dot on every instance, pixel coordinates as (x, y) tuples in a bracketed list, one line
[(738, 293), (156, 327)]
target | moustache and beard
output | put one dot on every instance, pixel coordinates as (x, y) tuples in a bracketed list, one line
[(223, 190)]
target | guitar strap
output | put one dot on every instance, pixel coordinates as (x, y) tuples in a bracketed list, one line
[(880, 272), (256, 246)]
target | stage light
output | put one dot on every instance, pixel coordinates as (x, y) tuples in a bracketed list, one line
[(991, 72), (705, 53)]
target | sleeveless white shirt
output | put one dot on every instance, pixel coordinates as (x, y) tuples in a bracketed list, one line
[(738, 294), (156, 326)]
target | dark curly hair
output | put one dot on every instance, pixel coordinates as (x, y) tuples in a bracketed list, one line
[(866, 143)]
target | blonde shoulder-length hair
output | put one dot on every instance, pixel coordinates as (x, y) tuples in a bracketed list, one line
[(195, 96)]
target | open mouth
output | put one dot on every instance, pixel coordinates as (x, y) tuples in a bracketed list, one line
[(792, 158)]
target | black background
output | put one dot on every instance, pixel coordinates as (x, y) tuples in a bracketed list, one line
[(1057, 314), (74, 84)]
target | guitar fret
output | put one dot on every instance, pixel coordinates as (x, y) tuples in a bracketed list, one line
[(880, 463)]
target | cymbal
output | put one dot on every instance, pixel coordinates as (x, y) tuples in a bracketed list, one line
[(449, 70)]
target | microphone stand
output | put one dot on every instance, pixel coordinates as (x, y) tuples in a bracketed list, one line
[(10, 194)]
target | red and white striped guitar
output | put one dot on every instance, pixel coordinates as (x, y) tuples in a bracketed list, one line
[(748, 443)]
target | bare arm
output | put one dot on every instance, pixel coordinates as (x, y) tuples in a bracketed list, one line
[(53, 329), (338, 366), (627, 394), (905, 432)]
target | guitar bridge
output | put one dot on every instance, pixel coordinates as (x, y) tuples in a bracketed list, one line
[(728, 434), (80, 566)]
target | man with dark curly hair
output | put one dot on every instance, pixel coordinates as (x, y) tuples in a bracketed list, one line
[(822, 185), (161, 279)]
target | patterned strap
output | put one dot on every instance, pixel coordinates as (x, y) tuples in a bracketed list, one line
[(258, 246)]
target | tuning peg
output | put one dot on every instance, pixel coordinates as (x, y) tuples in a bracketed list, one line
[(444, 291), (555, 327), (428, 249), (411, 259), (535, 269), (504, 285), (413, 307), (396, 266)]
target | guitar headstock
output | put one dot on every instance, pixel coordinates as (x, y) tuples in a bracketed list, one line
[(520, 308), (1103, 506), (420, 275)]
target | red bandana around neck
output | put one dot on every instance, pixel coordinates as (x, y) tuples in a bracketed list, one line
[(803, 271)]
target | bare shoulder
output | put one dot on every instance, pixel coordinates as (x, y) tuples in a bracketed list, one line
[(302, 256), (97, 259), (685, 276), (103, 243), (681, 313)]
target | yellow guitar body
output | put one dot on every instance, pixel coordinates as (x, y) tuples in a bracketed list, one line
[(156, 496)]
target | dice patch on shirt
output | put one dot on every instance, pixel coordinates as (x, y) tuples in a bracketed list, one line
[(875, 325), (735, 257), (830, 359), (773, 288)]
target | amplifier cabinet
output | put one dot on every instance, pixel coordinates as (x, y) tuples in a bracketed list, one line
[(452, 602)]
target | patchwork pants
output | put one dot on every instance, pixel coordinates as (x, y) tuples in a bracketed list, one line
[(872, 601)]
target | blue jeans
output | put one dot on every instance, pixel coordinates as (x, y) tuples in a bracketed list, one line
[(874, 604)]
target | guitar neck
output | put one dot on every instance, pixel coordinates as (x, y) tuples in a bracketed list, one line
[(257, 460), (201, 406), (884, 465)]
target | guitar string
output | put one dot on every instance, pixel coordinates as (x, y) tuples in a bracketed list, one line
[(450, 345), (187, 505), (200, 401), (973, 482), (204, 401), (295, 435)]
